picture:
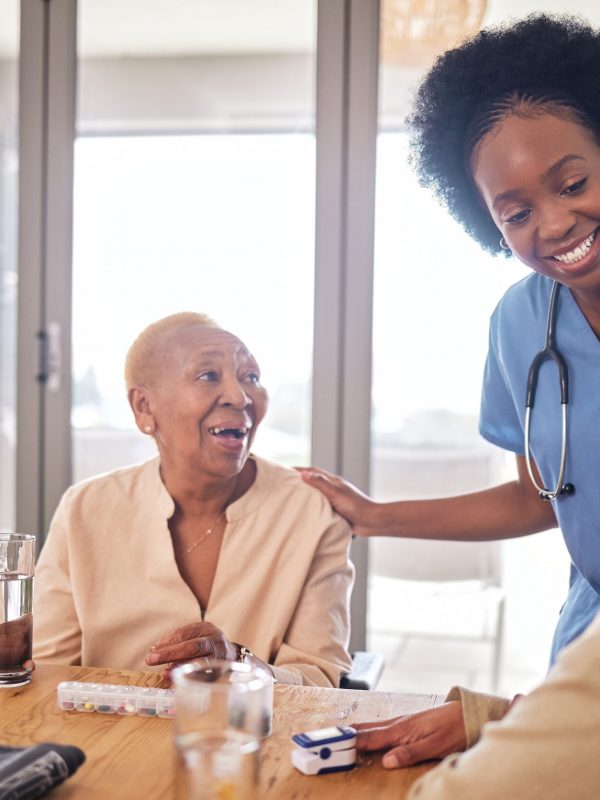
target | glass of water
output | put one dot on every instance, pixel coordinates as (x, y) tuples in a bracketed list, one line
[(17, 559), (222, 709)]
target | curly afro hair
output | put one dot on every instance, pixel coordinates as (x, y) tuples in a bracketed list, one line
[(541, 63)]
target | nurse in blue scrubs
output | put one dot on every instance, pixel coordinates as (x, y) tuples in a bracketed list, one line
[(517, 332), (506, 131)]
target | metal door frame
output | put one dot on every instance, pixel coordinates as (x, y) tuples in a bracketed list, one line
[(46, 137)]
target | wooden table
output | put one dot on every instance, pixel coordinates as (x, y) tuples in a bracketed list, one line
[(132, 757)]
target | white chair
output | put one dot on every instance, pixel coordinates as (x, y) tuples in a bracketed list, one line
[(440, 590), (446, 590)]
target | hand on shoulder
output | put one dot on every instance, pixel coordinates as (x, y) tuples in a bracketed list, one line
[(345, 498)]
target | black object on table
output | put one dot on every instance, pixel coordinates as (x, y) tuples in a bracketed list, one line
[(30, 772)]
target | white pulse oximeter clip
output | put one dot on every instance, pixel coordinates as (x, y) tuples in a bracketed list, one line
[(325, 750)]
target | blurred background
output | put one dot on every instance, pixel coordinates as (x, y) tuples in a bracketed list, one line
[(194, 183)]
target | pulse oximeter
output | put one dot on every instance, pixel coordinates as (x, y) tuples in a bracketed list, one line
[(325, 750)]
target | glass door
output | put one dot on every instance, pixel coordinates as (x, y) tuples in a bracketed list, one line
[(194, 190), (434, 291), (9, 165)]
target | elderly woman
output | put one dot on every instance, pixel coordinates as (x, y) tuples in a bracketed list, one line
[(205, 550)]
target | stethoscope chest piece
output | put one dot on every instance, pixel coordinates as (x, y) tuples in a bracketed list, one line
[(566, 489)]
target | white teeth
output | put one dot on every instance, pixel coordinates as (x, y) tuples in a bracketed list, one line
[(216, 431), (578, 253)]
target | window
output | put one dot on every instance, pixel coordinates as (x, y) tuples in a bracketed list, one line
[(194, 190)]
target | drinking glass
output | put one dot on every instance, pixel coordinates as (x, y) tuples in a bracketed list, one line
[(17, 559), (222, 709)]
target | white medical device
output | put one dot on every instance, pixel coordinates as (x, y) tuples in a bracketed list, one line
[(325, 750)]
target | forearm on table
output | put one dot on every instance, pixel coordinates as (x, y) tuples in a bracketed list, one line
[(545, 747)]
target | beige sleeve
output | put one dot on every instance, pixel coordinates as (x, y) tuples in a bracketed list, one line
[(314, 651), (56, 629), (477, 708), (546, 746)]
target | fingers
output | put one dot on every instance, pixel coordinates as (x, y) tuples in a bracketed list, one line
[(383, 723), (186, 643), (376, 737), (405, 747), (515, 699), (321, 478), (434, 745), (184, 651), (344, 498), (198, 639), (407, 755), (317, 477), (329, 484), (166, 673), (315, 472), (192, 631)]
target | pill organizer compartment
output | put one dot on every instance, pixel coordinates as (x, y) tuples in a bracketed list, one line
[(85, 697), (165, 704), (145, 702), (126, 700)]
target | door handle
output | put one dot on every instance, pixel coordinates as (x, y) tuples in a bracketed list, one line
[(50, 356)]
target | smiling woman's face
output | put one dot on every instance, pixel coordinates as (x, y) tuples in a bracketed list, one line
[(539, 177), (206, 401)]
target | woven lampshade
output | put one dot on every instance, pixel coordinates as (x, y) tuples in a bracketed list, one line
[(415, 32)]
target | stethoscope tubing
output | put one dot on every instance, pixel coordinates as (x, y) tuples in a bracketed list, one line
[(549, 352), (548, 494)]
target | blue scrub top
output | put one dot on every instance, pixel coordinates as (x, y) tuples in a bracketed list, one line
[(517, 333)]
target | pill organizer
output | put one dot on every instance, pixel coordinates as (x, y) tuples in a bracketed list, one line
[(109, 698)]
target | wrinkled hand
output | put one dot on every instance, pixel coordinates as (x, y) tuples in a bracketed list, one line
[(197, 640), (433, 733), (345, 498)]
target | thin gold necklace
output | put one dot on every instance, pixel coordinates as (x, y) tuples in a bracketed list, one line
[(192, 547)]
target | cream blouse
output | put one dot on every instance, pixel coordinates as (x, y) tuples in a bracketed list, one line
[(107, 585)]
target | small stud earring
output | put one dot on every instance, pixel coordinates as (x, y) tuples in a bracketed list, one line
[(148, 429), (504, 244)]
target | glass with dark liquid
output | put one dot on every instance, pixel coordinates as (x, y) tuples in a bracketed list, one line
[(17, 559)]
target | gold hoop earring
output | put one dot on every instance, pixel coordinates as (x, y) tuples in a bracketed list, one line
[(504, 244)]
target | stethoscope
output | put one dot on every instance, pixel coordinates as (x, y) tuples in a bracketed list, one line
[(549, 352)]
